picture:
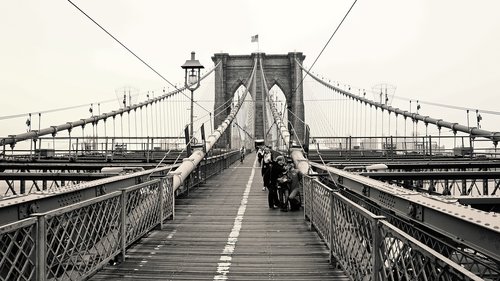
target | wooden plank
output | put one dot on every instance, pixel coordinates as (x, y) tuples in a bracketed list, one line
[(271, 245)]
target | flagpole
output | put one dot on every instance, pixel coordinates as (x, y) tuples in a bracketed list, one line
[(254, 39)]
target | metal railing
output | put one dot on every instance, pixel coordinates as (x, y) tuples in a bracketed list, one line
[(396, 147), (207, 168), (92, 147), (366, 246), (18, 250), (73, 242)]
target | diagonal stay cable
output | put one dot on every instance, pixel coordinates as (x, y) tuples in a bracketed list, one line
[(324, 47), (119, 42), (130, 51)]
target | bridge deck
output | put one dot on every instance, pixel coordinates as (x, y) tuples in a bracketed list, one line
[(225, 231)]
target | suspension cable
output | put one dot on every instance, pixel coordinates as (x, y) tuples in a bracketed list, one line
[(450, 106), (283, 131), (131, 52), (324, 47), (455, 127), (123, 45), (51, 110)]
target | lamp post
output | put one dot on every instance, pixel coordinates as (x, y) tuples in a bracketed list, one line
[(192, 70)]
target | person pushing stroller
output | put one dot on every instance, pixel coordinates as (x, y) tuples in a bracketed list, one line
[(278, 167)]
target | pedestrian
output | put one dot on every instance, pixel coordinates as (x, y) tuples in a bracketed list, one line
[(242, 154), (260, 155), (277, 170), (294, 197), (266, 168)]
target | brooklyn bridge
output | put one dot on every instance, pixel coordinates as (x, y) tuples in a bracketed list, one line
[(148, 190)]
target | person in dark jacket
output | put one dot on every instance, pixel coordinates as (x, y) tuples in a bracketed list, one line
[(277, 170)]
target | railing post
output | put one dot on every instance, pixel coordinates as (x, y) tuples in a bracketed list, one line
[(123, 230), (311, 214), (198, 175), (171, 180), (39, 149), (430, 147), (170, 183), (147, 150), (160, 198), (44, 182), (471, 145), (392, 148), (377, 240), (106, 148), (112, 148), (350, 148), (306, 193), (22, 186), (188, 183), (331, 227), (69, 145), (173, 198), (3, 149), (76, 150), (41, 248)]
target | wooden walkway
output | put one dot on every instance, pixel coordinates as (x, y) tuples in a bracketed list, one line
[(225, 231)]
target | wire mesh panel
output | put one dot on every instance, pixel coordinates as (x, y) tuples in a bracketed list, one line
[(354, 230), (17, 250), (306, 187), (82, 237), (168, 197), (142, 209), (321, 209), (405, 258), (210, 167), (368, 247)]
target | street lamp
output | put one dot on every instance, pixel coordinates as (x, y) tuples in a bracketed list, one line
[(192, 70)]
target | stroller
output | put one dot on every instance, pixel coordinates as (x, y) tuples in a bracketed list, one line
[(288, 192)]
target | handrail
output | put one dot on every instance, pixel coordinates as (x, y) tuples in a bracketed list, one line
[(285, 135)]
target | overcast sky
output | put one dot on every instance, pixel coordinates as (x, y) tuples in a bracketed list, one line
[(51, 56)]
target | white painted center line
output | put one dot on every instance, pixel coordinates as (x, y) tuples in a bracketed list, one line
[(226, 256)]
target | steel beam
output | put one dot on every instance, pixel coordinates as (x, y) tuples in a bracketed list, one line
[(19, 207), (22, 176), (476, 229), (424, 165), (428, 175)]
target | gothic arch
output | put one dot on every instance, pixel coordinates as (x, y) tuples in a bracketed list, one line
[(282, 70)]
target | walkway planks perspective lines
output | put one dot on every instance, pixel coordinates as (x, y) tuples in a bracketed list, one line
[(270, 244)]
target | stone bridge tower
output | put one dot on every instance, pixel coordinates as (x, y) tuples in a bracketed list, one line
[(280, 70)]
